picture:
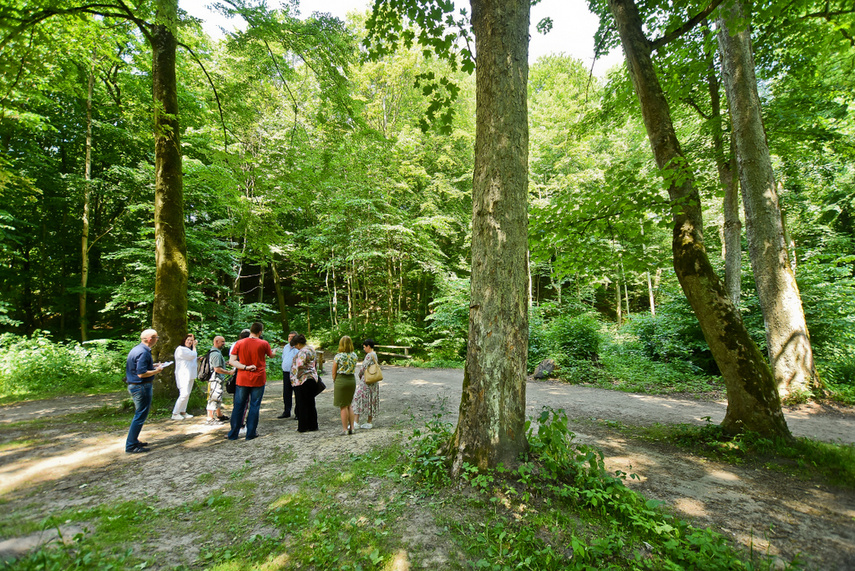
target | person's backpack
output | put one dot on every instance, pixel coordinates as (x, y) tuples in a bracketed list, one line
[(205, 369)]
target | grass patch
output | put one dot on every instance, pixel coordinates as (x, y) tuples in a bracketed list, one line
[(12, 445), (804, 458), (436, 363)]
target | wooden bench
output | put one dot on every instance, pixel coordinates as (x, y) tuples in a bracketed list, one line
[(404, 355)]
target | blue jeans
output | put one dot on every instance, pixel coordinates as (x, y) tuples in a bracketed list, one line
[(252, 395), (141, 393)]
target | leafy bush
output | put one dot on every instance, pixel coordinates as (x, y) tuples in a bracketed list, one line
[(449, 320), (36, 366), (578, 337), (673, 335), (539, 341), (427, 463), (566, 334)]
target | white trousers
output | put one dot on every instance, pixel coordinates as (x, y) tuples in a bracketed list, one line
[(184, 388)]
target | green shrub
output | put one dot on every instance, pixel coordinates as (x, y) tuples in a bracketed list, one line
[(448, 322), (673, 335), (566, 334), (540, 345), (577, 337), (36, 366)]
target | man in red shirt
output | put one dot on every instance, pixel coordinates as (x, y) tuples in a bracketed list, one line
[(249, 357)]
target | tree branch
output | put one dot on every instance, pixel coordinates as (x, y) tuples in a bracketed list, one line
[(97, 9), (699, 17), (216, 95)]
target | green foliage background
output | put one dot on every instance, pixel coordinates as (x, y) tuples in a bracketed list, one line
[(323, 200)]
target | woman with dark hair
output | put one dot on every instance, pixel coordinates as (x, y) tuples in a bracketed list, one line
[(344, 382), (367, 399), (185, 374), (304, 379)]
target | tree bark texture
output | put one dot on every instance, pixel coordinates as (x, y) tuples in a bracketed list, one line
[(170, 291), (787, 337), (491, 426), (752, 397), (726, 166)]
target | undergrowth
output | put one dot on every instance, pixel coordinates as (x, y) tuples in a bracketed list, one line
[(37, 367), (560, 509)]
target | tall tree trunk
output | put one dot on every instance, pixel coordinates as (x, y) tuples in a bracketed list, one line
[(334, 299), (280, 299), (625, 289), (87, 197), (618, 306), (650, 295), (752, 396), (491, 425), (349, 293), (170, 291), (787, 336), (726, 166)]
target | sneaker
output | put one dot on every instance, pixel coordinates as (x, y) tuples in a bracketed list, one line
[(185, 415), (177, 417), (367, 425), (242, 432), (214, 422), (137, 450), (284, 415), (356, 426)]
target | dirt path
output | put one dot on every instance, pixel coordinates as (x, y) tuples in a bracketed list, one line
[(53, 467)]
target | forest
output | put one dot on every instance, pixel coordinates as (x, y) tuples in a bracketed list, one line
[(672, 241), (317, 175)]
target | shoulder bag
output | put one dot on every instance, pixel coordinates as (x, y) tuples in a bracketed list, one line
[(373, 374)]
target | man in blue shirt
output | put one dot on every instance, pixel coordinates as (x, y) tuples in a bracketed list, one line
[(288, 353), (139, 371)]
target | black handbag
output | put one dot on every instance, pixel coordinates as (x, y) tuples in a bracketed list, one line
[(231, 384), (320, 386)]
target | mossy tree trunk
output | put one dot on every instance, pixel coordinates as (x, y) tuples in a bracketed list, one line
[(170, 291), (787, 337), (752, 396), (491, 426)]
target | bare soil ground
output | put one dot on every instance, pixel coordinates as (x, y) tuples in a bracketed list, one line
[(51, 466)]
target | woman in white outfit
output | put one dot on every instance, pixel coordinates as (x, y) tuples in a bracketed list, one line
[(185, 374)]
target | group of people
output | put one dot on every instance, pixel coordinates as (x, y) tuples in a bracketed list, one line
[(248, 359)]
